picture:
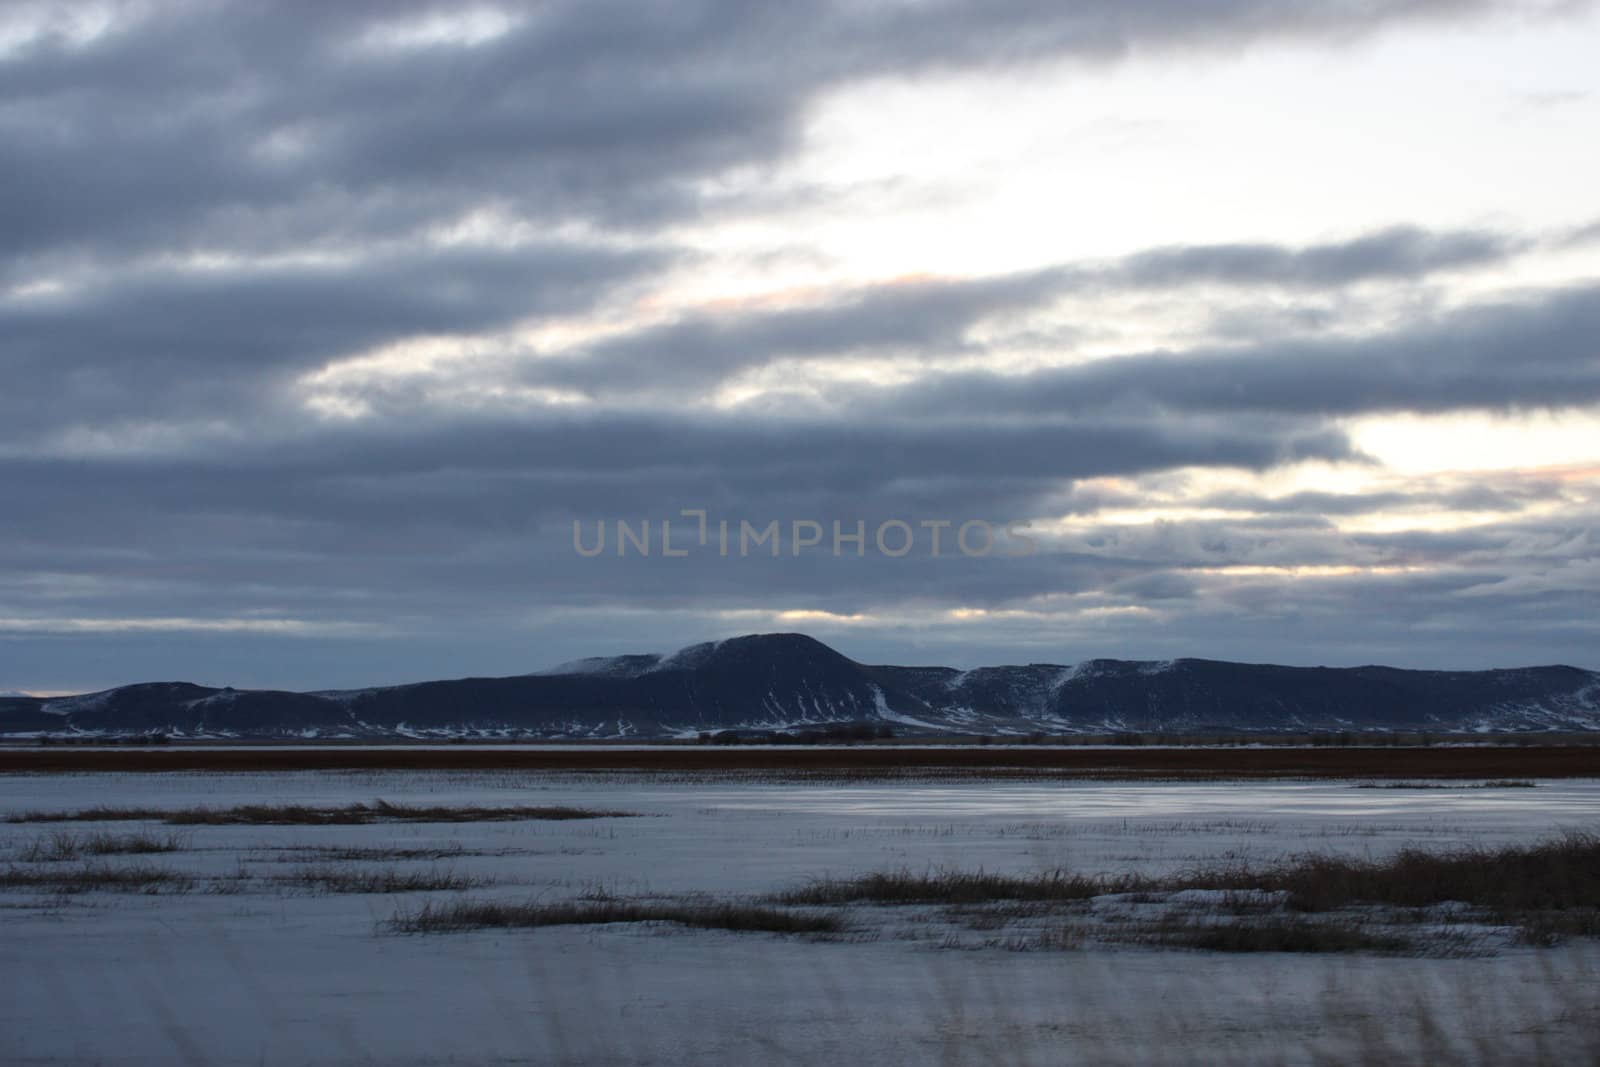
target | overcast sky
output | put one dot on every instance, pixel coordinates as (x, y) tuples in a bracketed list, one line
[(321, 325)]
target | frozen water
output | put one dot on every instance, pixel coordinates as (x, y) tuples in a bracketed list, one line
[(278, 976)]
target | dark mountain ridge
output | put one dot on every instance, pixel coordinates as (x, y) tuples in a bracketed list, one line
[(768, 681)]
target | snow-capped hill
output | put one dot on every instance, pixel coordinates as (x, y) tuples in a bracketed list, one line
[(688, 658), (69, 705), (605, 666), (791, 680), (694, 657)]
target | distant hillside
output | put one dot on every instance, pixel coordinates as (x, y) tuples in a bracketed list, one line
[(770, 681)]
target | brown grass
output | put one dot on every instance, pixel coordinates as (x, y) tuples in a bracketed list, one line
[(959, 887), (1280, 934), (1558, 874), (379, 811), (1500, 761), (464, 915), (90, 877), (326, 879), (61, 846), (372, 853), (1554, 875), (1501, 783), (1546, 928), (1549, 891)]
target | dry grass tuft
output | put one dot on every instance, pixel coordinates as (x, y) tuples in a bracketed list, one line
[(372, 853), (91, 877), (325, 879), (959, 887), (1272, 934), (1555, 875), (61, 846), (463, 915), (1550, 891)]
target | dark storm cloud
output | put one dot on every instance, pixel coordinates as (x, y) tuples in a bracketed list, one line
[(459, 474), (212, 563), (269, 123), (152, 464), (467, 522), (158, 342), (166, 340), (244, 129), (240, 130)]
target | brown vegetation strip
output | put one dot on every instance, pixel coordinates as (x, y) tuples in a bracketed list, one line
[(1549, 890), (1268, 935), (962, 887), (132, 879), (61, 846), (461, 915), (332, 879), (1508, 761), (1556, 874), (380, 811)]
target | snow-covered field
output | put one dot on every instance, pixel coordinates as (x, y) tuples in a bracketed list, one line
[(245, 967)]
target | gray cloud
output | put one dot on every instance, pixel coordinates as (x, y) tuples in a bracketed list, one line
[(462, 608), (266, 124), (210, 200), (932, 317), (1398, 252), (463, 472), (161, 342), (1509, 496), (1537, 353), (697, 351), (168, 341), (1581, 235)]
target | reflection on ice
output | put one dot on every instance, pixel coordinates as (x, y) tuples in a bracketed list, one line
[(1550, 801)]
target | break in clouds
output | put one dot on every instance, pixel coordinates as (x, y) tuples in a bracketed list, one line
[(321, 326)]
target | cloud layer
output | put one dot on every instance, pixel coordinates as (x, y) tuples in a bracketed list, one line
[(322, 324)]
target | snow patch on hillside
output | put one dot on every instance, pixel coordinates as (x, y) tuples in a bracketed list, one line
[(605, 666), (73, 705), (1068, 675), (687, 658), (633, 666), (888, 714)]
